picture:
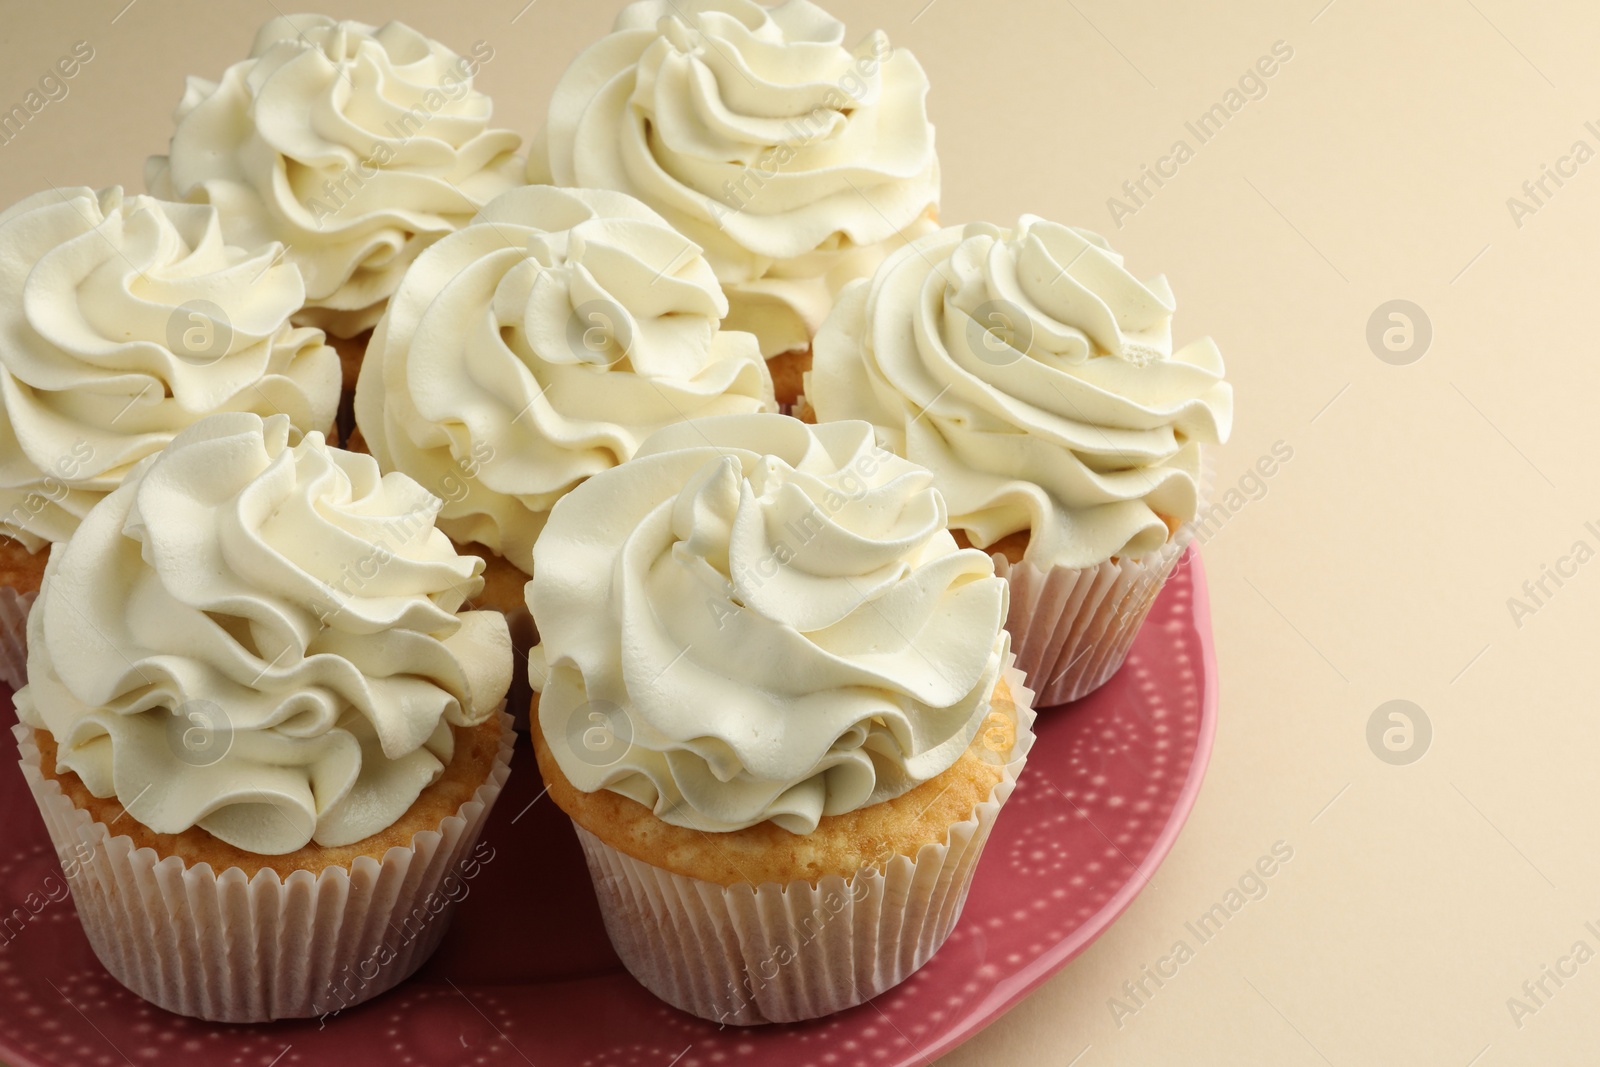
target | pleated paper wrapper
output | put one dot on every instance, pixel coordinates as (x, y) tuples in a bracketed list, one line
[(1072, 627), (743, 955), (227, 948), (14, 636)]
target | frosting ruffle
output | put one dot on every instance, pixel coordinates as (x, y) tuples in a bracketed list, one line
[(124, 320), (1035, 376), (756, 619), (355, 146), (262, 639), (796, 162), (540, 346)]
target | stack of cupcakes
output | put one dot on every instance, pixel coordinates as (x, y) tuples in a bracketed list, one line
[(254, 699), (782, 666)]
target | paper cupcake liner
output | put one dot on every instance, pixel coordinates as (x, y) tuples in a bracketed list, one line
[(1072, 627), (14, 636), (745, 955), (227, 948)]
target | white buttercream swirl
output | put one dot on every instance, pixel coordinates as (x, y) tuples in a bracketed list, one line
[(124, 320), (540, 346), (795, 162), (355, 146), (1036, 378), (263, 640), (772, 616)]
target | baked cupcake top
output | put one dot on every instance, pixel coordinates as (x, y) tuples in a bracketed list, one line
[(540, 346), (1035, 376), (794, 161), (756, 619), (124, 320), (262, 639), (356, 146)]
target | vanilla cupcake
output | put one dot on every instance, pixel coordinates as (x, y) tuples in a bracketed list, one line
[(775, 698), (254, 703), (124, 320), (354, 146), (537, 347), (1036, 378), (795, 161)]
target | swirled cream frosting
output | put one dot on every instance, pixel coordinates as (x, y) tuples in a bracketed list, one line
[(355, 146), (756, 619), (1035, 376), (540, 346), (262, 639), (124, 320), (795, 161)]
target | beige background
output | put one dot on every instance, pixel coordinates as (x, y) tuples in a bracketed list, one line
[(1379, 562)]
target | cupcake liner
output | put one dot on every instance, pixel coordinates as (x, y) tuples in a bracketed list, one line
[(227, 948), (1072, 627), (746, 955), (14, 635)]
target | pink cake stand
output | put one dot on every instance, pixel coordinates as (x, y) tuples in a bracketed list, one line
[(526, 976)]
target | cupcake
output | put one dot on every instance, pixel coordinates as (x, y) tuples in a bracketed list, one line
[(796, 162), (1036, 378), (537, 347), (776, 700), (253, 701), (124, 320), (354, 146)]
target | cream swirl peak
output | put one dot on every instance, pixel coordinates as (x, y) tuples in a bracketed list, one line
[(1036, 378), (795, 162), (541, 345), (263, 640), (124, 320), (355, 146), (766, 621)]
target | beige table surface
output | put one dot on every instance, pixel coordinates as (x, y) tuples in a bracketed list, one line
[(1375, 565)]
